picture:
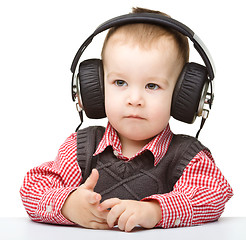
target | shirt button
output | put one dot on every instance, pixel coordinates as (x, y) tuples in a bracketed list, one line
[(49, 209), (115, 153), (177, 222)]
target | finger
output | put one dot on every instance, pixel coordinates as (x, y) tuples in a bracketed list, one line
[(127, 221), (131, 223), (114, 214), (108, 204), (100, 217), (91, 181), (98, 225), (123, 218), (94, 198)]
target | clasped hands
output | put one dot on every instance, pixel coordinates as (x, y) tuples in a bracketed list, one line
[(83, 207)]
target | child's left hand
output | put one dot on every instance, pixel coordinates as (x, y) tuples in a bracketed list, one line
[(129, 213)]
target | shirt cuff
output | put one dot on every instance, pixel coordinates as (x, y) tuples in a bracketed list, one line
[(49, 208), (176, 210)]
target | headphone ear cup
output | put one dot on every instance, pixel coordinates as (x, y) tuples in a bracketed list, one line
[(187, 92), (91, 80)]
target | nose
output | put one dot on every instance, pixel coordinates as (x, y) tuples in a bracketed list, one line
[(135, 98)]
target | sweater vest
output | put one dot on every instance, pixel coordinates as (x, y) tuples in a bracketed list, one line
[(138, 178)]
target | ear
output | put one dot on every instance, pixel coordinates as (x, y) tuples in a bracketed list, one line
[(187, 92), (91, 80)]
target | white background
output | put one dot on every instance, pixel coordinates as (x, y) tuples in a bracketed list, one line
[(38, 40)]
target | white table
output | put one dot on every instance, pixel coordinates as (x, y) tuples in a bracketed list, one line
[(23, 228)]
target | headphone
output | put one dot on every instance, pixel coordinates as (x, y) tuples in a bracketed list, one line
[(191, 91)]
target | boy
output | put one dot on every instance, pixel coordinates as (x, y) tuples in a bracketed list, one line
[(141, 64)]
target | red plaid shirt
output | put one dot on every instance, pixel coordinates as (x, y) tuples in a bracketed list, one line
[(158, 146), (199, 195)]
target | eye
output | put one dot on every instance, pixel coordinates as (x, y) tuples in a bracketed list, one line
[(152, 86), (120, 83)]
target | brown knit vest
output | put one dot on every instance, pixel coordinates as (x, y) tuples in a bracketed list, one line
[(139, 177)]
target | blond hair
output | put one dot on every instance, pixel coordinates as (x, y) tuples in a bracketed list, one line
[(145, 34)]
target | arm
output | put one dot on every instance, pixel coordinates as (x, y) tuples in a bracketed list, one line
[(51, 192), (199, 196), (46, 187), (129, 213)]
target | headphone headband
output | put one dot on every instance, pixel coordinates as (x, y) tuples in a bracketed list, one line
[(150, 18)]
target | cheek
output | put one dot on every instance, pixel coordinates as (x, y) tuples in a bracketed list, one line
[(160, 110), (161, 104), (107, 97), (160, 114), (111, 103)]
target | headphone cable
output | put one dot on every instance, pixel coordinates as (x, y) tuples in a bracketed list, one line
[(205, 113), (80, 111)]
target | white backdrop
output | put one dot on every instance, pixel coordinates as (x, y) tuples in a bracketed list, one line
[(38, 42)]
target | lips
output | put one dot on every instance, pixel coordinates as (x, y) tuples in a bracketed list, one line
[(135, 117)]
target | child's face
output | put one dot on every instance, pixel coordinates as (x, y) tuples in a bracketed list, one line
[(139, 84)]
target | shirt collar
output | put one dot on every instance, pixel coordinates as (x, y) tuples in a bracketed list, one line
[(157, 146)]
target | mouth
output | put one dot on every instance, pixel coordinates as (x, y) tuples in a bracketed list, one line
[(134, 117)]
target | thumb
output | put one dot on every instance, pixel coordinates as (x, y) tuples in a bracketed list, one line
[(91, 181)]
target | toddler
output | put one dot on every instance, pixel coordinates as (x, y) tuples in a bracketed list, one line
[(136, 171)]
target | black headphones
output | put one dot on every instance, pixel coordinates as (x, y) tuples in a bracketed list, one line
[(191, 90)]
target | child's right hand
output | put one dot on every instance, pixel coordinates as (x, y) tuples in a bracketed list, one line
[(81, 205)]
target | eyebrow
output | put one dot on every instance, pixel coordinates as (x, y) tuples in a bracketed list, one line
[(119, 75), (159, 79)]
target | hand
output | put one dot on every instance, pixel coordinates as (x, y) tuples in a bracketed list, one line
[(81, 205), (129, 213)]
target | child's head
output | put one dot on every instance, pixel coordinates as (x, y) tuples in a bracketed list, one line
[(141, 63), (147, 34)]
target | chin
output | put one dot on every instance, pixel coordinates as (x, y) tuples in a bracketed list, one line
[(138, 135)]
